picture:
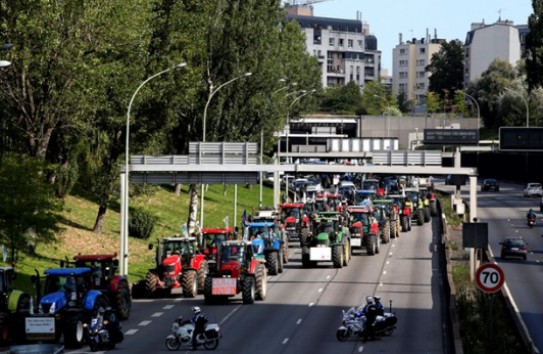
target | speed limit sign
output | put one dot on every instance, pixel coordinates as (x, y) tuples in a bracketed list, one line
[(489, 277)]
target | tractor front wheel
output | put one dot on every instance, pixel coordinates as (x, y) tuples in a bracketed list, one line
[(151, 283), (261, 279), (123, 300)]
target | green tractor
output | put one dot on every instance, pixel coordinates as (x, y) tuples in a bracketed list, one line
[(330, 241), (14, 305)]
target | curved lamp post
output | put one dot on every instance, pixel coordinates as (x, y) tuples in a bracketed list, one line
[(204, 136), (124, 186), (304, 93), (476, 104), (525, 103)]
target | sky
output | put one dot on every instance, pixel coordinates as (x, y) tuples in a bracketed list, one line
[(450, 18)]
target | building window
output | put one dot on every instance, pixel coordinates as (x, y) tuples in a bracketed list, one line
[(360, 43), (402, 50), (350, 43), (332, 41), (422, 50), (403, 63), (403, 87), (403, 75), (420, 74), (421, 62), (341, 42)]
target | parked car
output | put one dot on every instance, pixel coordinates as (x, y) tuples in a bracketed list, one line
[(490, 184), (533, 190), (514, 247)]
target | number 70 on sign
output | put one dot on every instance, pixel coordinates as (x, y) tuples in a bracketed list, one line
[(489, 277)]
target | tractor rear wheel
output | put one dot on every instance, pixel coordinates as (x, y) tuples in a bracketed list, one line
[(208, 288), (304, 234), (427, 214), (201, 276), (151, 283), (346, 253), (420, 216), (405, 223), (248, 290), (370, 245), (337, 256), (261, 279), (123, 301), (386, 234), (189, 283), (73, 330), (272, 261)]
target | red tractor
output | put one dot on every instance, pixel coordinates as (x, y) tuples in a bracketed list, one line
[(297, 224), (235, 270), (179, 264), (104, 277), (211, 237)]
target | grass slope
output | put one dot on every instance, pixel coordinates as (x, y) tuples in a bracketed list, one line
[(80, 214)]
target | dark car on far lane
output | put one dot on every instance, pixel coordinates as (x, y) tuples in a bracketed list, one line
[(490, 184), (514, 246)]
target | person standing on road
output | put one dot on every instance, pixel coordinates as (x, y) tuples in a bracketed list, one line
[(199, 319)]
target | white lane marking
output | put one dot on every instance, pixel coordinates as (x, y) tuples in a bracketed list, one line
[(157, 314), (360, 349), (178, 299), (384, 272), (167, 307), (143, 300), (285, 340), (299, 321), (229, 315), (327, 277), (311, 304), (393, 245), (144, 323), (388, 262), (380, 284), (130, 332), (320, 290)]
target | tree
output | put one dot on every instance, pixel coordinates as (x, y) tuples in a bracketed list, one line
[(345, 99), (488, 90), (534, 46), (432, 102), (447, 69), (27, 203)]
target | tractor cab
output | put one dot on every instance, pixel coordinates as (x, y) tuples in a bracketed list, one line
[(212, 237)]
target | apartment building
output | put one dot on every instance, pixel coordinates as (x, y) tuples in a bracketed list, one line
[(484, 43), (345, 49), (409, 61)]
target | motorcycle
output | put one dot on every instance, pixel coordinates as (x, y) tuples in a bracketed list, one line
[(531, 221), (354, 323), (182, 331), (103, 331)]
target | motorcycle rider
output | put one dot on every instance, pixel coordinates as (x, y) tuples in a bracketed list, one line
[(379, 305), (531, 214), (363, 310), (199, 319)]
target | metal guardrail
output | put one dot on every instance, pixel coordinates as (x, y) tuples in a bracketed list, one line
[(407, 158)]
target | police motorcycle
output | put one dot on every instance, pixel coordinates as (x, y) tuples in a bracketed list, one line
[(104, 330), (182, 331), (355, 322)]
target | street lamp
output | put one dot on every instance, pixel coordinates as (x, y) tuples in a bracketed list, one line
[(476, 104), (286, 87), (303, 93), (124, 186), (525, 102), (213, 92)]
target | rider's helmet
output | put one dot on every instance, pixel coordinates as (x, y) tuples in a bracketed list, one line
[(369, 300), (196, 310), (377, 298), (101, 311)]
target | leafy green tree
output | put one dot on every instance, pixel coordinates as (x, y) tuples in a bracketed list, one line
[(488, 90), (447, 68), (432, 102), (534, 46), (345, 99), (28, 204)]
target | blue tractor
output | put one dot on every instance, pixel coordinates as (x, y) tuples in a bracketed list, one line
[(269, 242), (66, 305)]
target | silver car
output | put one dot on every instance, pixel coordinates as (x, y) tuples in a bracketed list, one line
[(533, 190)]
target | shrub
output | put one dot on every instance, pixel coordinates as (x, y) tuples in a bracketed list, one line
[(141, 223)]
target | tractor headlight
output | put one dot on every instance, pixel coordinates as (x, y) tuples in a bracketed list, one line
[(52, 308)]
